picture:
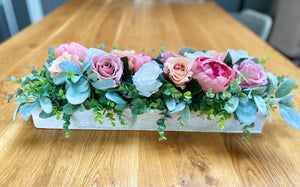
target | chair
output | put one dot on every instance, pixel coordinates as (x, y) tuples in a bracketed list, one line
[(258, 22)]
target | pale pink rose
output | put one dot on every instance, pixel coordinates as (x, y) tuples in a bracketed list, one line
[(54, 69), (129, 54), (216, 55), (72, 48), (166, 55), (256, 74), (212, 74), (178, 69), (107, 66), (138, 61)]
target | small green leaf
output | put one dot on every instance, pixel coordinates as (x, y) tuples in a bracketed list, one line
[(46, 104), (51, 53), (103, 84), (285, 88), (290, 116), (228, 59), (113, 96)]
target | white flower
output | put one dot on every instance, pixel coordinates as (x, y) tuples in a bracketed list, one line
[(145, 79), (237, 55), (92, 51)]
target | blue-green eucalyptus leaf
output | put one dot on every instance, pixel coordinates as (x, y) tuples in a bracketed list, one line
[(185, 114), (20, 100), (246, 112), (60, 78), (70, 109), (45, 115), (243, 97), (75, 79), (257, 91), (74, 96), (233, 104), (84, 86), (260, 104), (273, 82), (93, 77), (46, 104), (287, 97), (72, 66), (186, 50), (290, 116), (113, 96), (171, 103), (16, 112), (87, 67), (179, 106), (285, 88), (103, 84), (28, 109)]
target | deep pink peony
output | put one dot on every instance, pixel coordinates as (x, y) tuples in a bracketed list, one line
[(166, 55), (107, 66), (256, 74), (138, 61), (72, 48), (212, 73)]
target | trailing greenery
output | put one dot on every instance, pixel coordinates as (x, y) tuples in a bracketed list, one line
[(77, 89)]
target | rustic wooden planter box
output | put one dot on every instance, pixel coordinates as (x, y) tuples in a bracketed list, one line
[(147, 122)]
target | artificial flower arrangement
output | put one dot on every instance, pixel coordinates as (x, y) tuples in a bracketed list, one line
[(217, 85)]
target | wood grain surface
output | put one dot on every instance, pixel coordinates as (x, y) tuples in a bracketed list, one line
[(35, 157)]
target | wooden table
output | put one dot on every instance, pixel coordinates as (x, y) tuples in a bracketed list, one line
[(34, 157)]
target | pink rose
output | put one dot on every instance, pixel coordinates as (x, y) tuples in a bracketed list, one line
[(256, 74), (54, 69), (178, 69), (107, 66), (73, 49), (166, 55), (129, 54), (214, 54), (138, 61), (212, 74)]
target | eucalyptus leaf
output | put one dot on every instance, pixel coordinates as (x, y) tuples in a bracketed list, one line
[(290, 116), (46, 104), (179, 106), (20, 100), (233, 104), (75, 79), (113, 96), (103, 84), (70, 66), (246, 112), (84, 86), (287, 97), (87, 67), (28, 109), (273, 82), (70, 109), (243, 97), (16, 112), (74, 96), (260, 104), (186, 114), (60, 78), (45, 115), (257, 91), (186, 50), (171, 103), (93, 77), (285, 88)]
